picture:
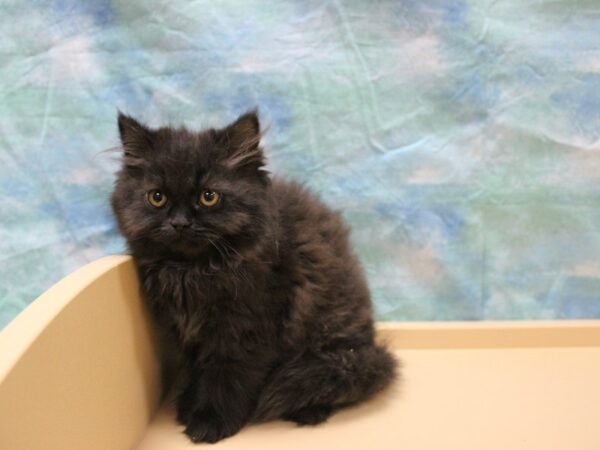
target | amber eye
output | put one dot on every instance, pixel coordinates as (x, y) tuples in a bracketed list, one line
[(157, 198), (209, 198)]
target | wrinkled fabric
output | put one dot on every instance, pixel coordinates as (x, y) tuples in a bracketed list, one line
[(461, 139)]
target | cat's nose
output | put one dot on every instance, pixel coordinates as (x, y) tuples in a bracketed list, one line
[(179, 223)]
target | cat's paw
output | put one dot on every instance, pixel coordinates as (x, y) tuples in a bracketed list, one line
[(311, 415), (210, 430)]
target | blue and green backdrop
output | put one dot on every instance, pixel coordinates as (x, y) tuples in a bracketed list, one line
[(460, 138)]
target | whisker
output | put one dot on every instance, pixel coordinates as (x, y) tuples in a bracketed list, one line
[(228, 245), (217, 248)]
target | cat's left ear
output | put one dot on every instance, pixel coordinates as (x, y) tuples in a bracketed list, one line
[(242, 139)]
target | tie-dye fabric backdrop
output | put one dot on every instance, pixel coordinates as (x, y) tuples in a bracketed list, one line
[(461, 139)]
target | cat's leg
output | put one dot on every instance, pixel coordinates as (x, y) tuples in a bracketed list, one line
[(310, 387), (219, 400), (189, 400)]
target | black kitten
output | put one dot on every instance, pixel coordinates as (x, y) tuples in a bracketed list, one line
[(254, 276)]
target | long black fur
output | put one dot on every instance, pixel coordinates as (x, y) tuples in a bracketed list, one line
[(267, 303)]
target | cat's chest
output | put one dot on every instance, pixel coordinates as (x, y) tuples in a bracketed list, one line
[(197, 306)]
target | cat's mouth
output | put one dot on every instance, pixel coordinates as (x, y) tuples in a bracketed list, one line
[(186, 242), (188, 248), (183, 238)]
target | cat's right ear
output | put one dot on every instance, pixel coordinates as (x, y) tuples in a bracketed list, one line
[(135, 137)]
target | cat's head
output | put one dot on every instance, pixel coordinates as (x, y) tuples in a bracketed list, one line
[(189, 193)]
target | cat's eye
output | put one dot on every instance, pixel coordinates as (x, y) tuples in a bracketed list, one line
[(157, 198), (209, 198)]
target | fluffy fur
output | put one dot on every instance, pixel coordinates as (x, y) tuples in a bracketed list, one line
[(267, 303)]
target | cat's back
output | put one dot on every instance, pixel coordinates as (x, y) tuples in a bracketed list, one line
[(314, 240), (305, 219), (330, 300)]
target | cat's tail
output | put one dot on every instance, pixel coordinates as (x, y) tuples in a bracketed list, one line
[(308, 388)]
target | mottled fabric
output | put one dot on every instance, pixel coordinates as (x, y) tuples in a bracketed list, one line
[(461, 139)]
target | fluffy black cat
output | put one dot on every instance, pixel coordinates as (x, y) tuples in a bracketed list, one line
[(252, 275)]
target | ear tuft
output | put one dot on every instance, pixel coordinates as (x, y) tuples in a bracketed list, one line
[(248, 124), (135, 137), (245, 131), (242, 139)]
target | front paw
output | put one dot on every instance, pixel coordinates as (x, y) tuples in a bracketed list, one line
[(210, 429)]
